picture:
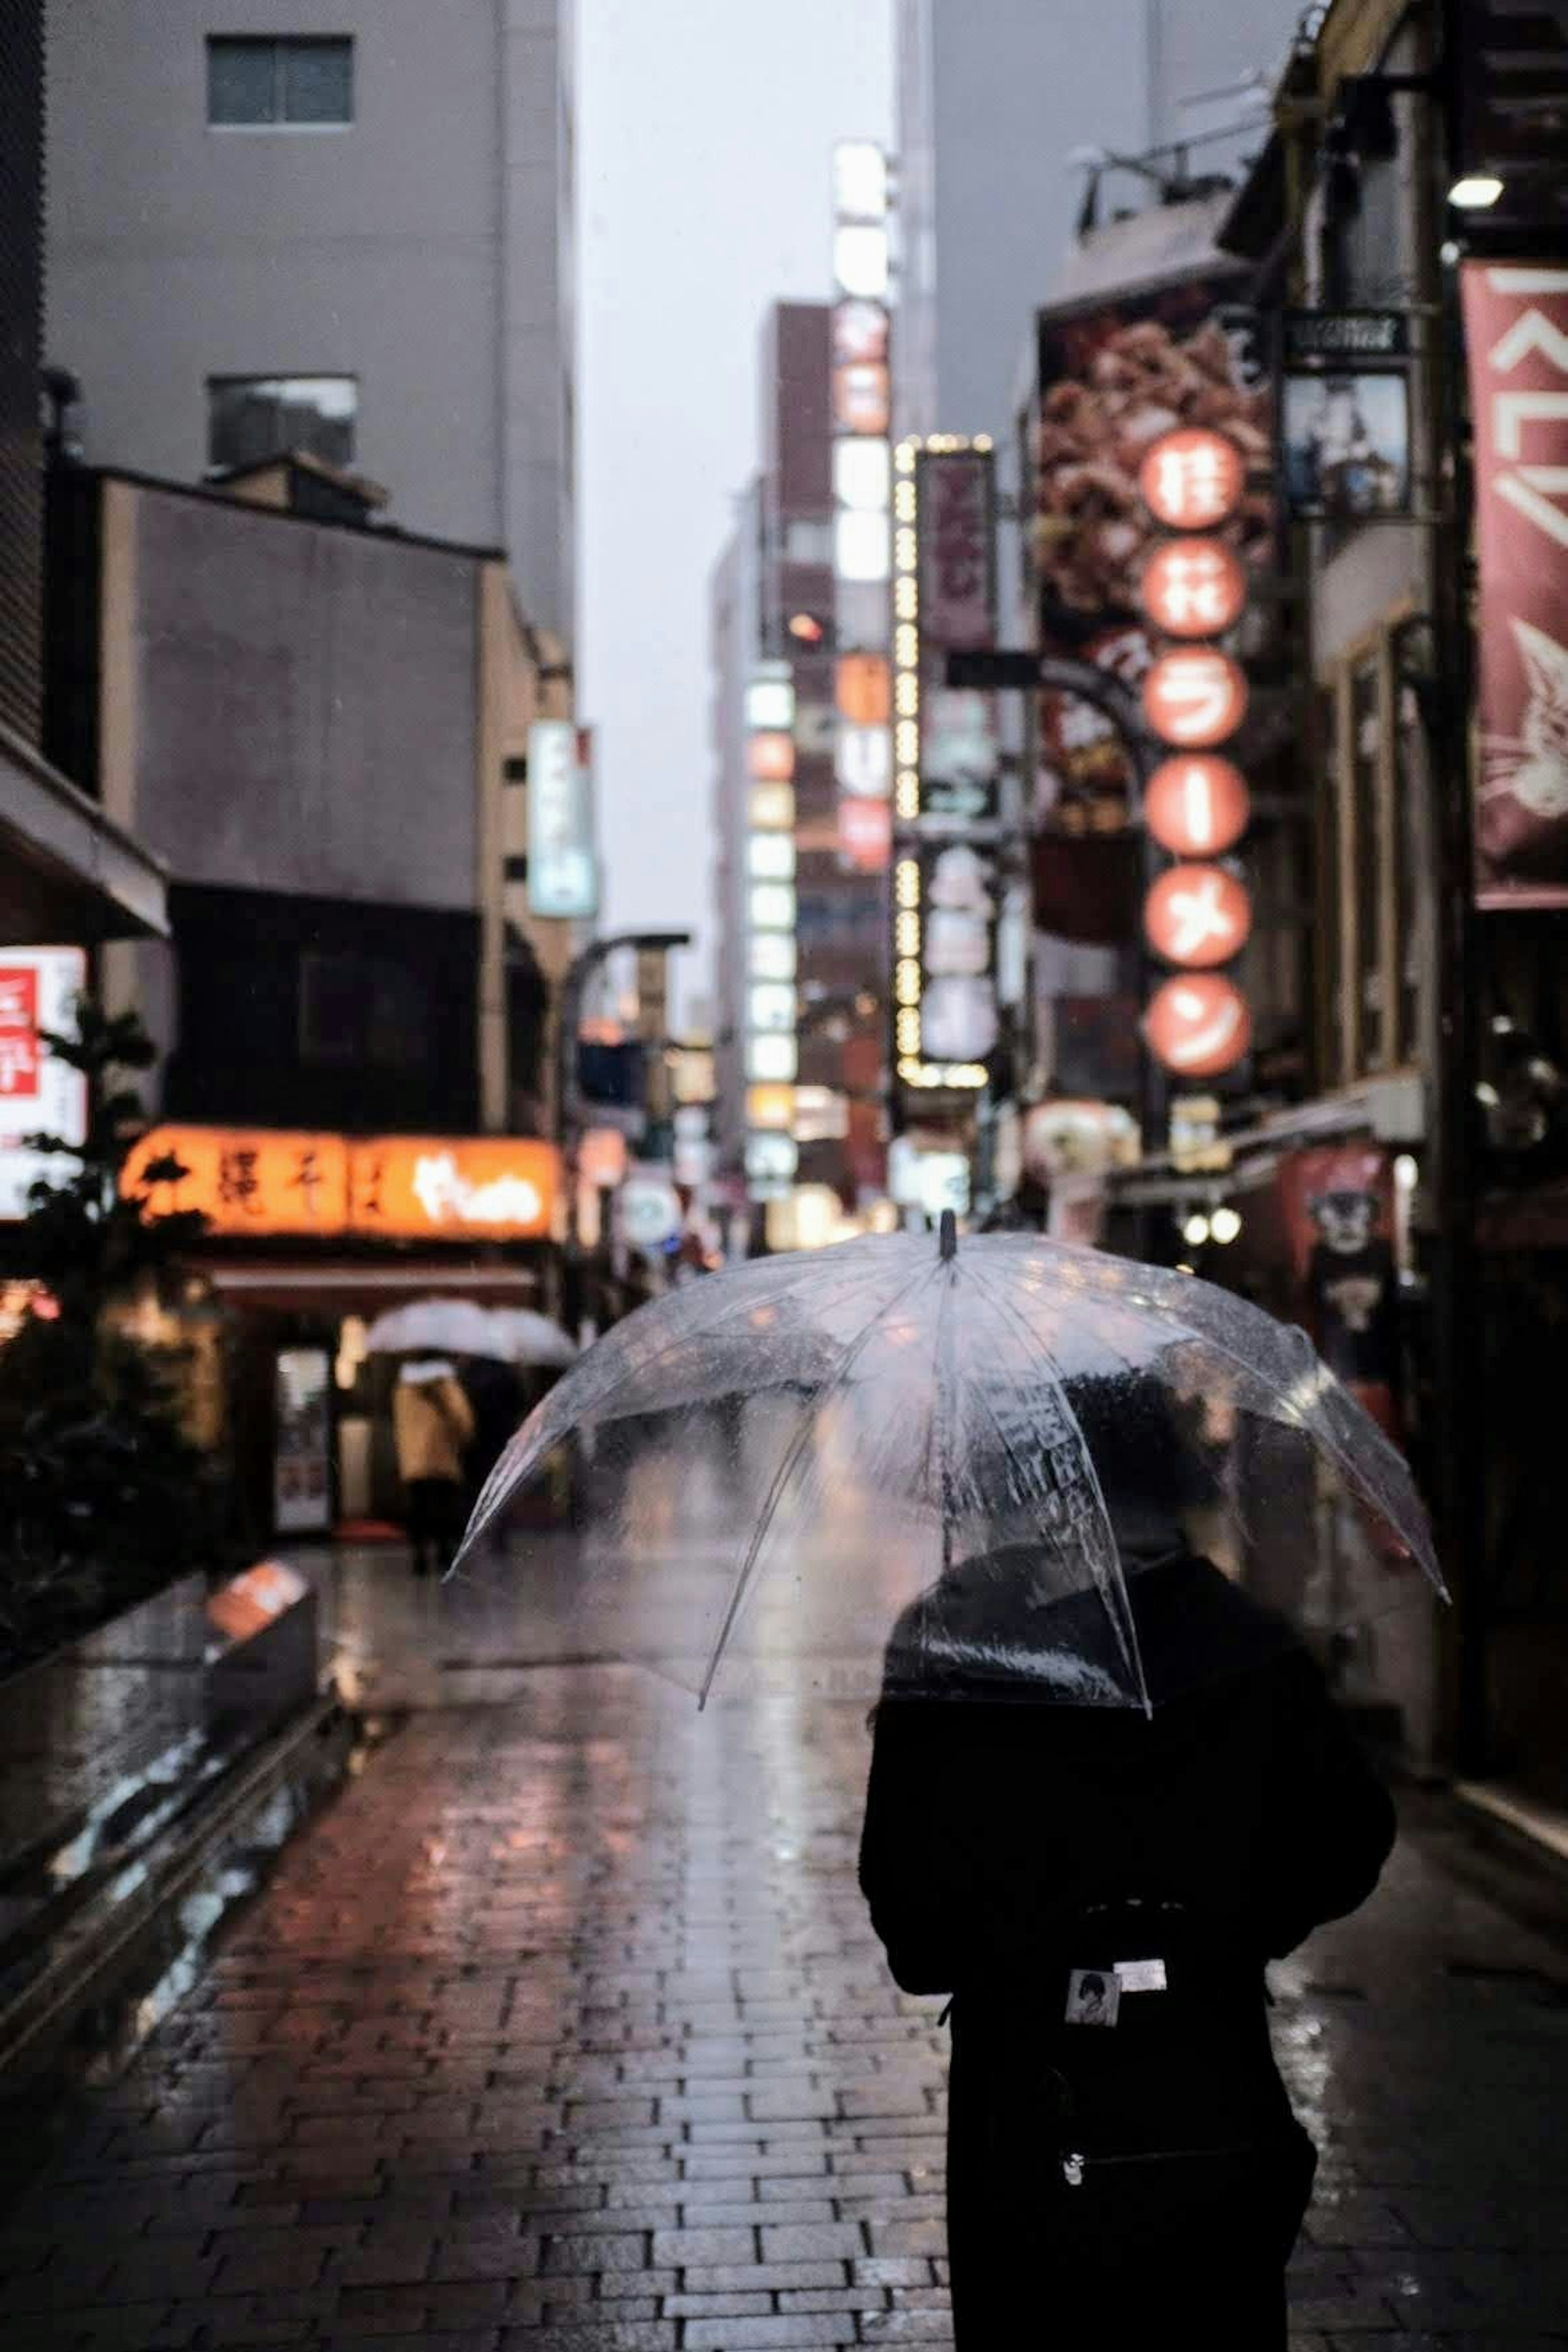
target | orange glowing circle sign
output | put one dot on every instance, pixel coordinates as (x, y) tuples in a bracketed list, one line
[(1193, 479), (1198, 915), (1198, 1025), (1197, 806), (1195, 698), (1194, 588)]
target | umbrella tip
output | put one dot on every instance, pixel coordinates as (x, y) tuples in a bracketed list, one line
[(947, 1235)]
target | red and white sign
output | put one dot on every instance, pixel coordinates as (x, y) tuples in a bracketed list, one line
[(1194, 588), (39, 1094), (1193, 479), (1198, 915), (1194, 696), (957, 600), (1516, 326), (1197, 806), (1198, 1025), (19, 1049)]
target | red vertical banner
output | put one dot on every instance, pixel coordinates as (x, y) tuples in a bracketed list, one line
[(1516, 332)]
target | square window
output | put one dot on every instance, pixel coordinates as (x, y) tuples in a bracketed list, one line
[(255, 82), (242, 81), (252, 418), (317, 82)]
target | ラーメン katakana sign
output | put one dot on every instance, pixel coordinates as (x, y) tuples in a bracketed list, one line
[(1194, 588), (1193, 479), (1198, 915), (1197, 806), (1198, 1025), (1194, 696)]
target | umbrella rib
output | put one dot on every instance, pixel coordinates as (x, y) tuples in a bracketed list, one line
[(786, 1470), (1126, 1635)]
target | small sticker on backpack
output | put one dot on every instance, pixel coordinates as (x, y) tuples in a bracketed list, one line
[(1141, 1976), (1094, 1997)]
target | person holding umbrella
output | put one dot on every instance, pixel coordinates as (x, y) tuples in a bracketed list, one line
[(432, 1423), (1107, 1785), (1097, 1892)]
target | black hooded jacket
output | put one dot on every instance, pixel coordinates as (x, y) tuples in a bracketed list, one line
[(1008, 1842)]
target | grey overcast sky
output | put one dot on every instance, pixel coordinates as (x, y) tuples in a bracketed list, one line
[(705, 131)]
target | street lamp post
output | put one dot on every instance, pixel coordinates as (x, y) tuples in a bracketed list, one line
[(568, 1103)]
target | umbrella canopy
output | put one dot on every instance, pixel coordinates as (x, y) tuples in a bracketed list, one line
[(526, 1336), (956, 1464), (446, 1327)]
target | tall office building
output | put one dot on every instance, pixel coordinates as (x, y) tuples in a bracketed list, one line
[(345, 230), (803, 932), (1001, 106)]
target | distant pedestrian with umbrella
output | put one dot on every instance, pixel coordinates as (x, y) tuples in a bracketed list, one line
[(433, 1423)]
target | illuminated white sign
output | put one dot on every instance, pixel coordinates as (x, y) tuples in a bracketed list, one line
[(770, 955), (862, 473), (770, 857), (771, 1006), (860, 180), (860, 261), (562, 870), (863, 761), (771, 1158), (768, 1056), (770, 703), (862, 545), (772, 907)]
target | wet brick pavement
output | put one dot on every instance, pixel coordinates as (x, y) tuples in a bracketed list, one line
[(563, 2028)]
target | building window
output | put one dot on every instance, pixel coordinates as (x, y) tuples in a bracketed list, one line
[(253, 417), (302, 83), (360, 1011)]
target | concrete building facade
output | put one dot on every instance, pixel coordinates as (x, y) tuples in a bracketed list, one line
[(371, 205), (321, 726)]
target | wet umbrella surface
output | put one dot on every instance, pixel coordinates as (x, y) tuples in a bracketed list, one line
[(1026, 1432)]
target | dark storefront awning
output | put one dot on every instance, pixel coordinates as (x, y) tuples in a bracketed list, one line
[(351, 1286), (68, 874)]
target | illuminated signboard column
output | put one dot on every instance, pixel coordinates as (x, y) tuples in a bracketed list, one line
[(862, 495), (946, 815), (1198, 915), (771, 1154)]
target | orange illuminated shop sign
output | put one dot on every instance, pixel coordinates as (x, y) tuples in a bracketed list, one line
[(268, 1181)]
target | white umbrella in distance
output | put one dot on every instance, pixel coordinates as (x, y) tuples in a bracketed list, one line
[(436, 1327)]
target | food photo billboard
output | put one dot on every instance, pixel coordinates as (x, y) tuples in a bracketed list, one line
[(1118, 373)]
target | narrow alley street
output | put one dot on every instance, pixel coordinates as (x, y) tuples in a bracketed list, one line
[(565, 2027)]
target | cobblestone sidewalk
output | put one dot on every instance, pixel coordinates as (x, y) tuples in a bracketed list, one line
[(564, 2029)]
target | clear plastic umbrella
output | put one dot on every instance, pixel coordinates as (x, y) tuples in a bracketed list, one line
[(947, 1469)]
